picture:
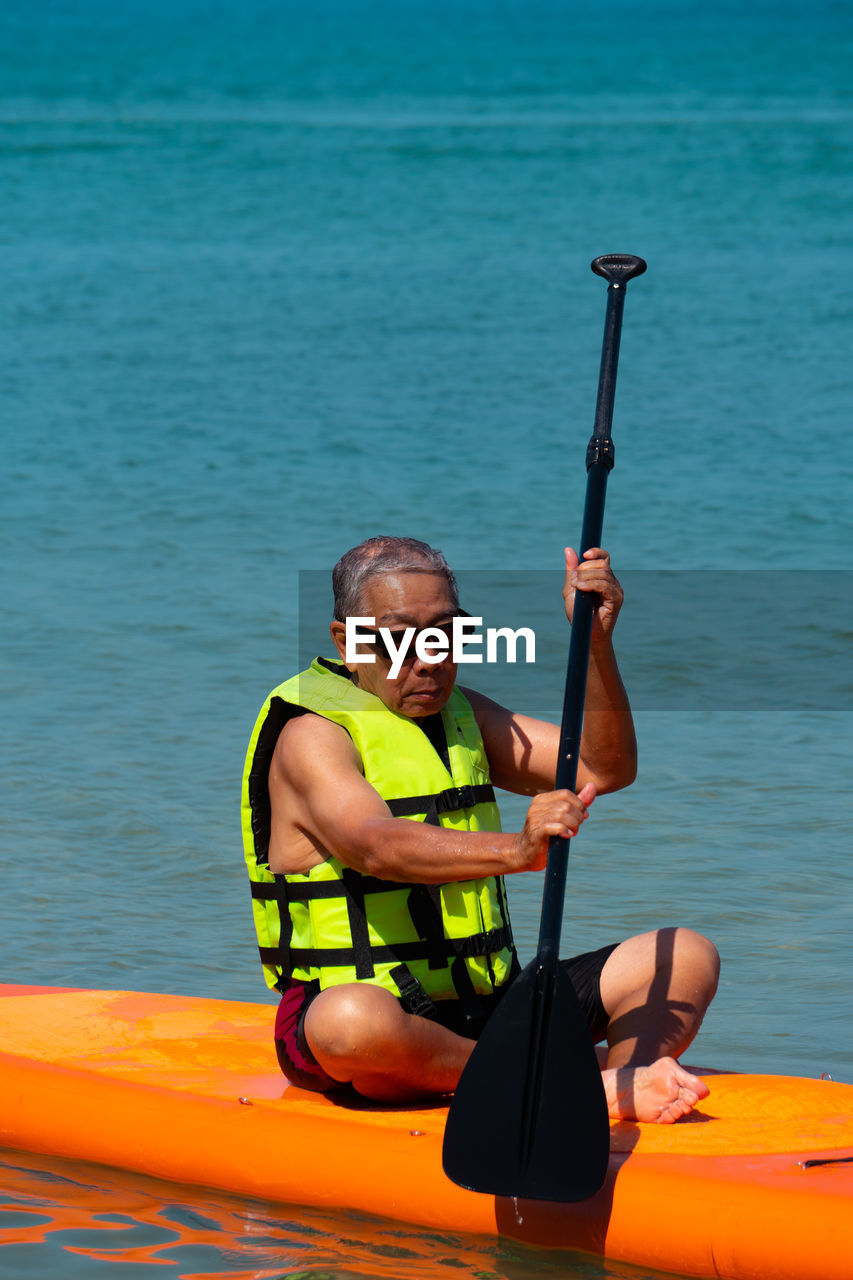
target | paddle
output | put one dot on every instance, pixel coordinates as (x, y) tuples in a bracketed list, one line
[(529, 1116)]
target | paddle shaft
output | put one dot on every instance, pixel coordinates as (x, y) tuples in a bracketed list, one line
[(599, 460), (529, 1115)]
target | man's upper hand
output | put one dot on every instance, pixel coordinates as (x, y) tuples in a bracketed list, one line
[(593, 573), (553, 813)]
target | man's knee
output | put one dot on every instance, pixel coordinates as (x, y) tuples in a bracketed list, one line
[(350, 1021), (685, 956), (697, 957), (662, 956)]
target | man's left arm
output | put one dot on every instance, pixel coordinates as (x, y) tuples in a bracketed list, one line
[(523, 751)]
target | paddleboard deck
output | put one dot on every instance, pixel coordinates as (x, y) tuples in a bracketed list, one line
[(757, 1184)]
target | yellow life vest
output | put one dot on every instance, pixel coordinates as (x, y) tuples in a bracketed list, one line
[(332, 924)]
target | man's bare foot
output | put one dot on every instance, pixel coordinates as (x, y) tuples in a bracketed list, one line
[(659, 1094)]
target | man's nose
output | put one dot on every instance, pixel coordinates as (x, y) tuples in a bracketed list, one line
[(430, 664)]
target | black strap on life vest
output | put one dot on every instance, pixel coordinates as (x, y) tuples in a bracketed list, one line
[(469, 1001), (294, 891), (259, 795), (424, 903), (448, 801), (478, 944), (359, 931)]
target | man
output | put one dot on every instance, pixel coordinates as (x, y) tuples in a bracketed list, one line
[(389, 936)]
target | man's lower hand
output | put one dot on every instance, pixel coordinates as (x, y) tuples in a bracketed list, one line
[(553, 813)]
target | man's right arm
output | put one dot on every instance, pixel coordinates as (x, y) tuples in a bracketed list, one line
[(318, 791)]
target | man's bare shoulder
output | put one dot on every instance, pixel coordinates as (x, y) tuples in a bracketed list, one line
[(308, 740), (486, 710)]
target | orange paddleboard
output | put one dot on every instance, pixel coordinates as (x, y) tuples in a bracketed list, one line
[(756, 1185)]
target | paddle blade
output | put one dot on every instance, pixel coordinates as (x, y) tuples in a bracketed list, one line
[(529, 1116)]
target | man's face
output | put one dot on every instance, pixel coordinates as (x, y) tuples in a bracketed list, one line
[(397, 601)]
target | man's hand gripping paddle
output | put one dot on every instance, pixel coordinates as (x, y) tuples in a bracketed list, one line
[(529, 1116)]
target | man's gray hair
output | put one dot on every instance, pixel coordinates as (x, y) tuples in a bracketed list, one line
[(384, 554)]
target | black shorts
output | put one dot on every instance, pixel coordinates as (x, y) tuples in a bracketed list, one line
[(301, 1067), (584, 972)]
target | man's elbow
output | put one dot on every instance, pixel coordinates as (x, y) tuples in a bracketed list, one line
[(618, 776), (373, 850)]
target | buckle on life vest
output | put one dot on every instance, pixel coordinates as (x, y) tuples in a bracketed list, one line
[(413, 998), (448, 801)]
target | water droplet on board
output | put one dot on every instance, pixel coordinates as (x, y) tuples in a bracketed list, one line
[(518, 1216)]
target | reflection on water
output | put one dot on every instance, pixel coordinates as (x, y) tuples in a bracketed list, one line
[(83, 1220)]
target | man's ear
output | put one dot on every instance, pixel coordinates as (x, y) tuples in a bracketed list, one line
[(338, 632)]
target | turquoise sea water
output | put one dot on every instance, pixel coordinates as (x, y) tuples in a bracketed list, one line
[(275, 278)]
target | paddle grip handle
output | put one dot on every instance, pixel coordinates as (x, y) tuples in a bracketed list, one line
[(599, 461)]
